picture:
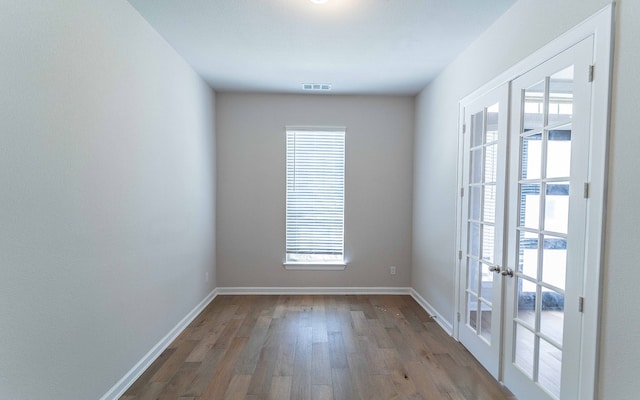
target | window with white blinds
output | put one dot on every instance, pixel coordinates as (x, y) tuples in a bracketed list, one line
[(315, 195)]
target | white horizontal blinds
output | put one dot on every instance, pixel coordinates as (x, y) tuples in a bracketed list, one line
[(315, 195)]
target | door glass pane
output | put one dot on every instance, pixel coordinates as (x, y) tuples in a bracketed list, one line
[(530, 205), (488, 239), (476, 129), (489, 206), (552, 315), (531, 156), (490, 162), (475, 200), (559, 152), (485, 322), (524, 340), (493, 115), (556, 207), (554, 261), (528, 263), (550, 367), (527, 302), (476, 166), (486, 284), (533, 107), (474, 239), (472, 308), (561, 96), (472, 278)]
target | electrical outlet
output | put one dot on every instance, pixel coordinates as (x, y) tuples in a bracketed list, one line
[(392, 270)]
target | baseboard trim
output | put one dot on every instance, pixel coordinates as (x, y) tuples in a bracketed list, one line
[(444, 324), (313, 290), (134, 373)]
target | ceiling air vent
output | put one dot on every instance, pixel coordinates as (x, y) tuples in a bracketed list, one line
[(316, 86)]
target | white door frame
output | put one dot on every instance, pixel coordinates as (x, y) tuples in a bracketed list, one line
[(600, 26)]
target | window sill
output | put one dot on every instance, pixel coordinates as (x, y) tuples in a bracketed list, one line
[(314, 266)]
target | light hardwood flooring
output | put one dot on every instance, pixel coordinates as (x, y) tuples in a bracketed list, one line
[(315, 347)]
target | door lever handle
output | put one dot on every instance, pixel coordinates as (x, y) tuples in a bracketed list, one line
[(495, 268), (507, 272)]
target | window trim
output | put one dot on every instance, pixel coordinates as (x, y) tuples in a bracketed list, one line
[(290, 266)]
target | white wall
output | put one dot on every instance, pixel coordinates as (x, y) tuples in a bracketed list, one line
[(526, 27), (107, 190), (251, 187)]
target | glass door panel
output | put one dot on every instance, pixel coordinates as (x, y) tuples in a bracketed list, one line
[(542, 209), (484, 160)]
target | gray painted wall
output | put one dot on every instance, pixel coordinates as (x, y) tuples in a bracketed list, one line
[(251, 187), (620, 358), (526, 27), (107, 186)]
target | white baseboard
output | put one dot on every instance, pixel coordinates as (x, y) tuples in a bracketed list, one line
[(134, 373), (444, 324), (313, 290)]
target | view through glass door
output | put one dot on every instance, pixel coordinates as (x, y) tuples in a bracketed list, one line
[(546, 244), (484, 154)]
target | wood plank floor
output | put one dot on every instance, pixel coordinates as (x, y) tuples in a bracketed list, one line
[(315, 347)]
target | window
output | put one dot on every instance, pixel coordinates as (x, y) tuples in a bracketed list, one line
[(315, 196)]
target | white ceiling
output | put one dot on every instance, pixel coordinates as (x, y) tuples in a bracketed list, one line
[(357, 46)]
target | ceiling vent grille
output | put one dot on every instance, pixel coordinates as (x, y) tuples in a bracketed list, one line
[(316, 86)]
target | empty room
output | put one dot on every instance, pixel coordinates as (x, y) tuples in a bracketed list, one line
[(319, 199)]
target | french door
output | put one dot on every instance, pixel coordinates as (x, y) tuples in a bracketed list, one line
[(484, 155), (523, 229), (549, 169)]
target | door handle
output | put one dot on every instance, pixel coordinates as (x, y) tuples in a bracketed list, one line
[(507, 272), (495, 268)]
